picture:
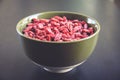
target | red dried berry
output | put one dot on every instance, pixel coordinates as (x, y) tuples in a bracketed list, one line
[(57, 28)]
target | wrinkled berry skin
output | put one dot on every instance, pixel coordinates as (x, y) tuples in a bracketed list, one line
[(57, 28)]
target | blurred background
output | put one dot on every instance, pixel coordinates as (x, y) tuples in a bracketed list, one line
[(104, 63)]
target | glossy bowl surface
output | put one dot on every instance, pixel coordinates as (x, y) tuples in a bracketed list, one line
[(59, 54)]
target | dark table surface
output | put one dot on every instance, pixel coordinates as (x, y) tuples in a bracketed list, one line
[(103, 64)]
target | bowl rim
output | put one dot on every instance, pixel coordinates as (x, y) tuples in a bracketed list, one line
[(67, 12)]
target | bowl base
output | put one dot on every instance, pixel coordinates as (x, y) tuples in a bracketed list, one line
[(54, 70), (60, 69)]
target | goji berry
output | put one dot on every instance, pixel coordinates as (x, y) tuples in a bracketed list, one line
[(57, 28)]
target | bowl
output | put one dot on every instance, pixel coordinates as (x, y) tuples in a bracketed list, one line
[(59, 57)]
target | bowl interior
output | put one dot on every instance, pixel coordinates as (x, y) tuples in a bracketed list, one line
[(70, 15)]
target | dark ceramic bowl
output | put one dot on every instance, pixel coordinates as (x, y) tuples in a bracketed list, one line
[(59, 56)]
